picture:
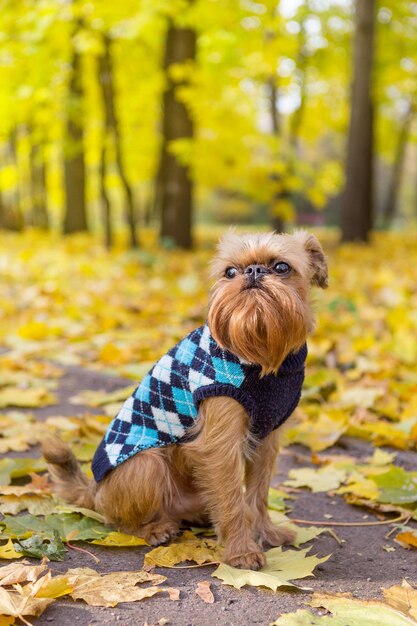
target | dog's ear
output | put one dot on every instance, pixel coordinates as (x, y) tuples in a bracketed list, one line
[(318, 262)]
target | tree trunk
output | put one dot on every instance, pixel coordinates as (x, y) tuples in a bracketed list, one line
[(357, 204), (391, 202), (105, 200), (75, 218), (112, 128), (10, 214), (285, 194), (174, 192), (277, 223), (39, 216)]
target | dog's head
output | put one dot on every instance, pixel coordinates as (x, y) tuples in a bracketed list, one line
[(260, 306)]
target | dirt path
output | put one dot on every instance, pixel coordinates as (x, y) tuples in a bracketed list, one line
[(360, 565)]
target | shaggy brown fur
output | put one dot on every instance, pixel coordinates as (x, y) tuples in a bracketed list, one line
[(222, 475)]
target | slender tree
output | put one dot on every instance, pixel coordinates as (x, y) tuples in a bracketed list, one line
[(10, 212), (39, 214), (112, 130), (296, 120), (174, 192), (105, 199), (391, 201), (357, 203), (75, 218)]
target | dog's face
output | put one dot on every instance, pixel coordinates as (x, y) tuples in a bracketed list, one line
[(260, 306)]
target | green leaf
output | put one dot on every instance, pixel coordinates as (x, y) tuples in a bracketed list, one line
[(276, 499), (396, 486), (16, 468), (70, 527), (36, 547)]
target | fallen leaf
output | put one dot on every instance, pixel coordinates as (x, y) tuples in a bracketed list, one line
[(17, 468), (70, 527), (110, 589), (204, 592), (302, 533), (28, 398), (388, 548), (318, 432), (276, 499), (402, 598), (198, 551), (96, 398), (15, 604), (407, 538), (35, 504), (174, 594), (381, 457), (53, 587), (345, 611), (8, 551), (396, 486), (120, 540), (20, 572), (325, 478), (37, 547), (281, 568)]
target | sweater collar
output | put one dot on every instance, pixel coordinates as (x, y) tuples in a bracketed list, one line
[(293, 362)]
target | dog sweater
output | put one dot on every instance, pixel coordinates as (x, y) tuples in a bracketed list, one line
[(165, 404)]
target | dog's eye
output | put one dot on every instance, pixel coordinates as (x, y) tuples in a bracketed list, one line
[(282, 268), (230, 272)]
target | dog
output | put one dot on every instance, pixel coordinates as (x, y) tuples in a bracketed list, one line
[(197, 440)]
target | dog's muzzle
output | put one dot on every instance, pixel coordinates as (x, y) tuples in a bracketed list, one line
[(254, 275)]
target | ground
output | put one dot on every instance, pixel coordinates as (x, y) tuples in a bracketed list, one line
[(360, 565)]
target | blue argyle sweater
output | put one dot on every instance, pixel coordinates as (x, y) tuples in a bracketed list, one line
[(165, 404)]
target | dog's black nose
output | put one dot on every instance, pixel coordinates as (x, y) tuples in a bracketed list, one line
[(255, 272)]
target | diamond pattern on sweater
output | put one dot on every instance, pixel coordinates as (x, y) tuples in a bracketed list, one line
[(165, 404)]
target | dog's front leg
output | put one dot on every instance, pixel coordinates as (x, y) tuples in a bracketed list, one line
[(217, 456), (258, 472)]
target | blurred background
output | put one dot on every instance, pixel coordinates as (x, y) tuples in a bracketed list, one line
[(117, 116)]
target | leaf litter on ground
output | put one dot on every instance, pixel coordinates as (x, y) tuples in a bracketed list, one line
[(359, 382)]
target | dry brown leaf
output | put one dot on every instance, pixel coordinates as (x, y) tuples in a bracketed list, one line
[(110, 589), (18, 605), (403, 598), (35, 504), (204, 592), (21, 572), (407, 539), (174, 594)]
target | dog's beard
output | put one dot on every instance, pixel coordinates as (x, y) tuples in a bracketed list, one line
[(261, 324)]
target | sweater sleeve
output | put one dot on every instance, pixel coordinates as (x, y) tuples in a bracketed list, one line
[(278, 398), (223, 389)]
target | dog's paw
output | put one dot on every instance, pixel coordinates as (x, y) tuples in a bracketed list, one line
[(249, 560), (159, 532), (271, 535)]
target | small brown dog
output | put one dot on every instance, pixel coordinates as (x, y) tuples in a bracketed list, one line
[(197, 441)]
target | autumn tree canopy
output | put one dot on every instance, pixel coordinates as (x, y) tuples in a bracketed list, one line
[(251, 104)]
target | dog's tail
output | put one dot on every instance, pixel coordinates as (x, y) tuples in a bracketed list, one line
[(68, 480)]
